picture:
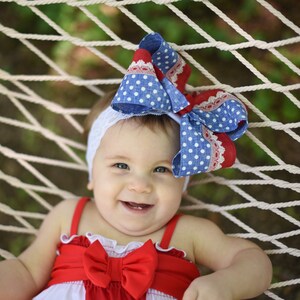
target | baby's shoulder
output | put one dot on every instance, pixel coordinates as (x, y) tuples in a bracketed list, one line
[(200, 230), (61, 214), (67, 204), (191, 231), (192, 224), (63, 208), (64, 211)]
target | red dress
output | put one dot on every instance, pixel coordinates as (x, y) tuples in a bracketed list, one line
[(94, 267)]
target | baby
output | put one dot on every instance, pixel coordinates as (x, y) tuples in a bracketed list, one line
[(129, 242)]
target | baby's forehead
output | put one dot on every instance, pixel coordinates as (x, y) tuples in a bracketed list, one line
[(134, 133), (130, 140)]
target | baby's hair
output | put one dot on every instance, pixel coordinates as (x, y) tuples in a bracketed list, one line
[(153, 122)]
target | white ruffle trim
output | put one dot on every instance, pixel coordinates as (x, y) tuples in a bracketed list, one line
[(112, 247), (157, 246)]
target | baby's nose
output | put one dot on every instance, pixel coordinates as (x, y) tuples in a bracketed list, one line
[(140, 184)]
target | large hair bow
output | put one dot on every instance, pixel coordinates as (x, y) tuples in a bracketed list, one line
[(209, 121)]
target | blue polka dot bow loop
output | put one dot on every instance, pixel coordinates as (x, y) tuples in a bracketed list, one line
[(209, 121)]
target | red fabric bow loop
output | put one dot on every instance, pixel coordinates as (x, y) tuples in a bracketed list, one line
[(135, 271)]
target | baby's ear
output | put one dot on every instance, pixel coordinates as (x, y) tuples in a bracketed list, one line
[(90, 185)]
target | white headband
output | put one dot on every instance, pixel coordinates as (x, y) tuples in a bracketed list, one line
[(104, 121)]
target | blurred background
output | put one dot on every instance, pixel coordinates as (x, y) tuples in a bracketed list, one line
[(57, 59)]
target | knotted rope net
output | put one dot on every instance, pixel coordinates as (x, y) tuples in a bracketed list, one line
[(57, 57)]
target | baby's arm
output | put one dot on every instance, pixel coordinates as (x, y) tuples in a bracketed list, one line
[(16, 282), (25, 276), (241, 269)]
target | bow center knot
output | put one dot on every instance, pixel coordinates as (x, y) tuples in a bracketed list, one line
[(114, 268)]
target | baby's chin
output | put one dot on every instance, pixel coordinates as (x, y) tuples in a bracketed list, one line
[(138, 230)]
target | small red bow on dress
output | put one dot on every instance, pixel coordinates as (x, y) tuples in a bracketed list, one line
[(135, 271)]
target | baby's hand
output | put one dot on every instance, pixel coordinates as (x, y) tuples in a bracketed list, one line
[(207, 288)]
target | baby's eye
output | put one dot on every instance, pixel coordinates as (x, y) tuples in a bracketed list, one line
[(121, 166), (161, 169)]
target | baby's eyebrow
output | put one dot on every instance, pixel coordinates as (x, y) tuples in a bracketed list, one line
[(125, 158), (164, 162), (118, 157)]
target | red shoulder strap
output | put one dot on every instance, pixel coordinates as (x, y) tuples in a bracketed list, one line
[(77, 215), (165, 241)]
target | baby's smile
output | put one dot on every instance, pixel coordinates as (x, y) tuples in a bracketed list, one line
[(134, 206)]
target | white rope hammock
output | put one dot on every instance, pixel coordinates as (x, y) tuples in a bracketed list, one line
[(29, 172)]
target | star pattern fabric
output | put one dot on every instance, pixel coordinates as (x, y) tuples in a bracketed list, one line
[(209, 121)]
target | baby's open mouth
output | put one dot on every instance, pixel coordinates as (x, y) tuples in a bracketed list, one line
[(136, 206)]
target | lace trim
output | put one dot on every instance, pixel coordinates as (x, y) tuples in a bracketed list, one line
[(140, 67), (217, 150), (176, 70), (213, 102)]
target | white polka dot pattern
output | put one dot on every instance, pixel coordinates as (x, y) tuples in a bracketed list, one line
[(137, 89)]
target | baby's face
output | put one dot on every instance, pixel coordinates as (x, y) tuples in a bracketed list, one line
[(134, 188)]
